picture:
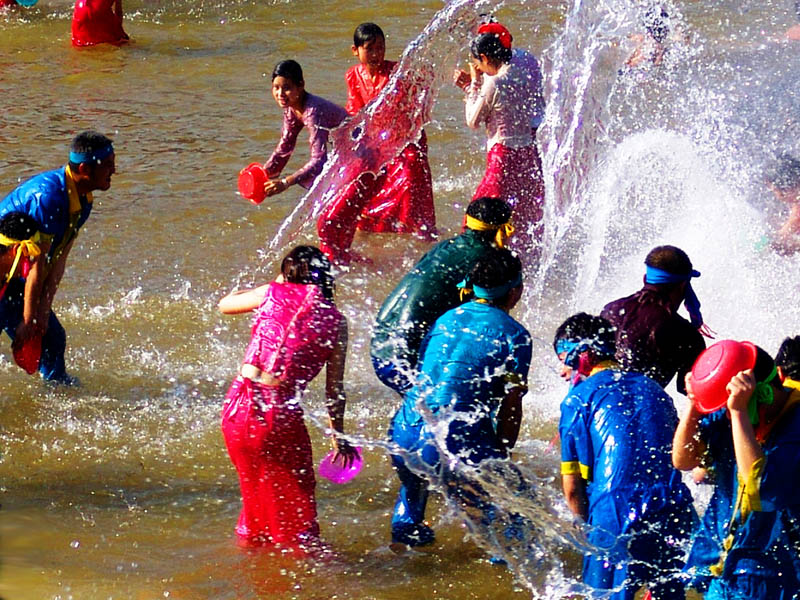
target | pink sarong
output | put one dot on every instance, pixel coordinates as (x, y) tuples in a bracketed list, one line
[(515, 175)]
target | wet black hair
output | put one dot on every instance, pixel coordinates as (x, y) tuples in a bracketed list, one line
[(495, 268), (788, 357), (784, 172), (670, 259), (590, 328), (87, 142), (18, 226), (489, 44), (307, 264), (289, 69), (365, 33), (493, 211), (764, 367)]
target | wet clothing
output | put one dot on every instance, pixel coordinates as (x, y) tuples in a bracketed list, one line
[(52, 200), (517, 169), (616, 433), (96, 22), (422, 296), (320, 116), (511, 105), (399, 199), (470, 359), (651, 338), (362, 88), (761, 513), (295, 331)]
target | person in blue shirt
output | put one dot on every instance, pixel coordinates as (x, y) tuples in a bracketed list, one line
[(616, 438), (749, 544), (60, 202), (472, 377)]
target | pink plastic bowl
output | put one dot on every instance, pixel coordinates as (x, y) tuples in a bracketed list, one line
[(713, 370), (335, 472), (251, 183)]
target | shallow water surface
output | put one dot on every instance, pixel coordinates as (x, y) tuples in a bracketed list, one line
[(122, 488)]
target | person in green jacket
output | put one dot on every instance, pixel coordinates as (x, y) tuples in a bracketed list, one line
[(430, 289)]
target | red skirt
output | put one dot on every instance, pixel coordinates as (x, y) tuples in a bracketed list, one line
[(398, 200), (515, 175), (269, 445), (402, 195)]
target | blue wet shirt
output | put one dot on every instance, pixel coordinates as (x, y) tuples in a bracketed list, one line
[(616, 432), (44, 197), (470, 358), (763, 560)]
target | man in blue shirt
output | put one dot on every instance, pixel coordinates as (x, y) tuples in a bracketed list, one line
[(616, 439), (60, 202), (473, 374)]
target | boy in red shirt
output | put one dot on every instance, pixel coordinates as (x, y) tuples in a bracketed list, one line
[(400, 198)]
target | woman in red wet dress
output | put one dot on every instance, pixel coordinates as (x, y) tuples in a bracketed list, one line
[(297, 330)]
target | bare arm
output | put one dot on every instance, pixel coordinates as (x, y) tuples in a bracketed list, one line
[(242, 301), (335, 396), (52, 281), (575, 494), (34, 284), (509, 416), (748, 450), (687, 449)]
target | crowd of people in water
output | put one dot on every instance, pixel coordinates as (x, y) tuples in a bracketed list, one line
[(445, 342)]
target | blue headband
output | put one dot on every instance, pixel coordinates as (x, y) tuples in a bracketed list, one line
[(657, 276), (93, 156), (495, 292), (573, 350)]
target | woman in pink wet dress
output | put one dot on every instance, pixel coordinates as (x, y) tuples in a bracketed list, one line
[(297, 330), (504, 94)]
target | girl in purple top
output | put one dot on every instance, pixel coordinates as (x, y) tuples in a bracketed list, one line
[(300, 109)]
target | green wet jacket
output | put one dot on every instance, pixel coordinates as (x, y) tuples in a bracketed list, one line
[(423, 295)]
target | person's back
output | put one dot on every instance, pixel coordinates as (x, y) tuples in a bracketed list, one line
[(467, 359), (631, 421), (651, 337), (521, 85), (430, 289), (294, 333), (425, 293)]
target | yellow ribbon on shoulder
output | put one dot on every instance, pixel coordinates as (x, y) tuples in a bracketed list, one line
[(504, 231), (29, 248)]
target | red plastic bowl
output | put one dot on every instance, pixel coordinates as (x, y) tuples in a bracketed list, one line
[(713, 370), (251, 183), (29, 354)]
